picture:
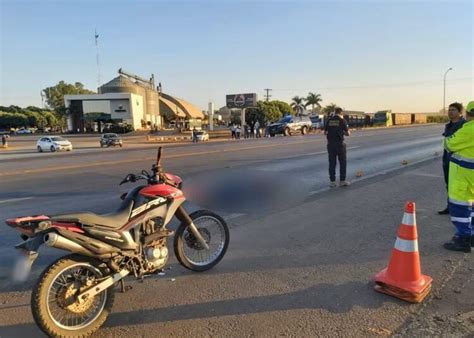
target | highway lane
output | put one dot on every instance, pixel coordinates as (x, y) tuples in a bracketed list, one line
[(247, 177), (296, 259)]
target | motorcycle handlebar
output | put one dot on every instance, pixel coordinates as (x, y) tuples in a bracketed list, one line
[(157, 173), (158, 156)]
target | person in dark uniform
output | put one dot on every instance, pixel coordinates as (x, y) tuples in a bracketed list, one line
[(335, 130), (455, 123)]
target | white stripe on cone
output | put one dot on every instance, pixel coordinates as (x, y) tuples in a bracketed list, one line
[(406, 245), (409, 219)]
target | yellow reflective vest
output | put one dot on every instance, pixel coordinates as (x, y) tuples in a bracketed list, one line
[(461, 166)]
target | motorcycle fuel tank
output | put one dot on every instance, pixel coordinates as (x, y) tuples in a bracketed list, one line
[(161, 190)]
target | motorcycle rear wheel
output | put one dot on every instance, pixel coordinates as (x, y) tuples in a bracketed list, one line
[(51, 299), (190, 253)]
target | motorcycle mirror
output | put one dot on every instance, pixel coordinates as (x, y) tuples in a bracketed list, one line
[(158, 157)]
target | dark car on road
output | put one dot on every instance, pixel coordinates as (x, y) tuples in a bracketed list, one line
[(290, 124), (110, 140)]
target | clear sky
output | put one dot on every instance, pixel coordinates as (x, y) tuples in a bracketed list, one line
[(361, 55)]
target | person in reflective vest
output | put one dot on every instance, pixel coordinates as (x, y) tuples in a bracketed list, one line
[(456, 121), (461, 183)]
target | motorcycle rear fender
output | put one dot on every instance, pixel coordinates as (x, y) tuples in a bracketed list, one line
[(31, 245)]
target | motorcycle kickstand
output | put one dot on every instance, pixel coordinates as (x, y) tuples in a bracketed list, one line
[(124, 288)]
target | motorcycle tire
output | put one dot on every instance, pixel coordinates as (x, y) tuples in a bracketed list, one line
[(183, 237), (40, 303)]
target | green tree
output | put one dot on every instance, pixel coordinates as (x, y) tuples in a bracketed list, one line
[(35, 109), (267, 112), (34, 119), (51, 120), (329, 108), (312, 100), (10, 109), (12, 120), (55, 94), (297, 103), (283, 107)]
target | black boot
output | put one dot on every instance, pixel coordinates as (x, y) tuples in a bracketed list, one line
[(444, 212), (462, 244)]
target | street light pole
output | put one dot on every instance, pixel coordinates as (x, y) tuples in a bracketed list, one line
[(444, 91)]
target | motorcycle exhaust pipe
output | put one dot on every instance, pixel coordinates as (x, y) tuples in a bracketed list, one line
[(59, 242)]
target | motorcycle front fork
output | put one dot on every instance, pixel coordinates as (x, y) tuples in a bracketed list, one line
[(183, 216)]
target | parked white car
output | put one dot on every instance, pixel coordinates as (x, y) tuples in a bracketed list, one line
[(24, 131), (53, 143), (202, 135)]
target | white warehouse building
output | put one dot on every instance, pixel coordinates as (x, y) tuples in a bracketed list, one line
[(127, 99)]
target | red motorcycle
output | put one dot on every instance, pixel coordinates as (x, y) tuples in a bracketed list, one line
[(75, 294)]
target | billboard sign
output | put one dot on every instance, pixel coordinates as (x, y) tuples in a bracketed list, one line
[(239, 101)]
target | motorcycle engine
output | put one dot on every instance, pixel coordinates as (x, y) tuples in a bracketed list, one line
[(157, 254)]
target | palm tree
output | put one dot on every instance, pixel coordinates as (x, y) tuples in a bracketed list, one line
[(298, 104), (313, 99), (329, 108)]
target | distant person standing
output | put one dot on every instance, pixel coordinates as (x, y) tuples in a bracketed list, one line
[(461, 183), (233, 131), (194, 135), (4, 141), (335, 130), (257, 129), (237, 132), (455, 123)]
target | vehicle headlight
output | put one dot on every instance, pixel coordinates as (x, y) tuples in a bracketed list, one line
[(55, 144)]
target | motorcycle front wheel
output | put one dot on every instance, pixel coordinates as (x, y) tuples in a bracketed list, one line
[(190, 252), (53, 304)]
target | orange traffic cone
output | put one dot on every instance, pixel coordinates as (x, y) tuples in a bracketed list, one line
[(402, 278)]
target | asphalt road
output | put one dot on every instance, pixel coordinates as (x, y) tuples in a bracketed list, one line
[(300, 255)]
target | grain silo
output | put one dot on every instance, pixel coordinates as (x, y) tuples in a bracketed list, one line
[(131, 83)]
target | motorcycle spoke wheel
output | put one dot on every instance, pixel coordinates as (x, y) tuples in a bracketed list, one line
[(190, 251), (66, 312), (54, 303)]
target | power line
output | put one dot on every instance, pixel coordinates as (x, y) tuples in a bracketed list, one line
[(393, 85), (267, 95)]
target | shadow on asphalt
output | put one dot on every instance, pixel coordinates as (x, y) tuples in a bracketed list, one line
[(332, 298)]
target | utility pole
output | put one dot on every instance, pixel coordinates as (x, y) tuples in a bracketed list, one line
[(97, 58), (42, 99), (444, 91), (267, 95)]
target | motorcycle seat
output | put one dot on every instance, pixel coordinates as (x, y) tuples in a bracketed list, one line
[(113, 220)]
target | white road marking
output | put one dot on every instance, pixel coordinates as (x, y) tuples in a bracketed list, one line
[(309, 154), (231, 216), (383, 172), (16, 200), (424, 175)]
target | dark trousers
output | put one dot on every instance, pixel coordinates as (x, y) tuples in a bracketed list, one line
[(337, 151), (446, 173)]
